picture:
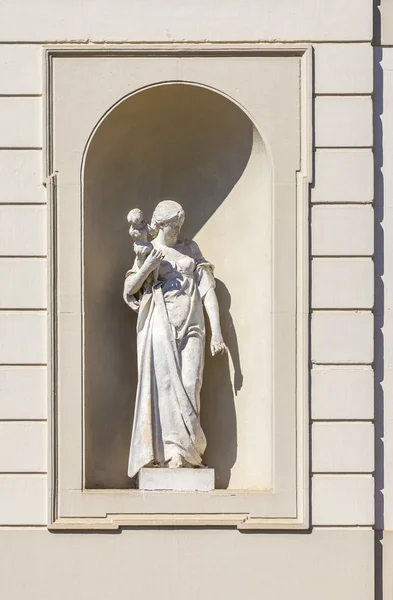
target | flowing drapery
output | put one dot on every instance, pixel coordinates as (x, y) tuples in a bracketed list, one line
[(170, 340)]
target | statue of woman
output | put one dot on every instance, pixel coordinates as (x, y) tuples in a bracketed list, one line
[(169, 290)]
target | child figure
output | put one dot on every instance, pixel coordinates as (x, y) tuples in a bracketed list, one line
[(139, 231)]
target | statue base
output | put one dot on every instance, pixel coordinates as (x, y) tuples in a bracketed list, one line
[(176, 480)]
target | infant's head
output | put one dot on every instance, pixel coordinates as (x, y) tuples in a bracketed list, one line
[(139, 228)]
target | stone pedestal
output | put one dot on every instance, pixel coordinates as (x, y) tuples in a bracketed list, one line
[(178, 480)]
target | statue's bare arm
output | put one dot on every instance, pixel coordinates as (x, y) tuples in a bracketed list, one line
[(210, 302), (134, 282)]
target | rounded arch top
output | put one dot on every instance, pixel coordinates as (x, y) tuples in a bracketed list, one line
[(167, 83)]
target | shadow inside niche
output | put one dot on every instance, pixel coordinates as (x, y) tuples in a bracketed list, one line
[(218, 414)]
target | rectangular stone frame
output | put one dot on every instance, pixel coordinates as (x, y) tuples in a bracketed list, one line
[(72, 507)]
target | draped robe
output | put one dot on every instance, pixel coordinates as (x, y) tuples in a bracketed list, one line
[(170, 343)]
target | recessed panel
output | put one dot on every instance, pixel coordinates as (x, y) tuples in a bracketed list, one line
[(197, 147)]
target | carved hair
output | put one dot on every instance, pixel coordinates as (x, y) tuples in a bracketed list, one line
[(135, 217), (166, 212), (139, 227)]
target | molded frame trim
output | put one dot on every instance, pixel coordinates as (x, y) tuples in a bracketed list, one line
[(243, 521)]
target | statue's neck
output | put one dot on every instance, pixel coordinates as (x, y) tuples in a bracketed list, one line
[(166, 240)]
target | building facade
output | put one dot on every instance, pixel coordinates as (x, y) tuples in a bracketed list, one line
[(326, 68)]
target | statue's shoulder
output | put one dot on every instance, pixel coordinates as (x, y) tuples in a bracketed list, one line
[(191, 248)]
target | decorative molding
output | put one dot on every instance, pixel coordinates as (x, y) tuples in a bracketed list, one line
[(115, 522), (58, 519), (52, 348)]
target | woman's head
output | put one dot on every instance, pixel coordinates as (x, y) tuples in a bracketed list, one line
[(168, 216)]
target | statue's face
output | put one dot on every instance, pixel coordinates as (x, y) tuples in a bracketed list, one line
[(173, 227)]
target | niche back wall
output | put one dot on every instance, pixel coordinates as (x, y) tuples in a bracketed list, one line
[(193, 145)]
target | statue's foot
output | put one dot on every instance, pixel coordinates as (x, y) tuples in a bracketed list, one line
[(176, 462), (154, 464)]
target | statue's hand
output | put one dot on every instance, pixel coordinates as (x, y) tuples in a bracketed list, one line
[(153, 260), (217, 345)]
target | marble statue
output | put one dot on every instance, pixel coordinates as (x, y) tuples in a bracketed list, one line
[(168, 285)]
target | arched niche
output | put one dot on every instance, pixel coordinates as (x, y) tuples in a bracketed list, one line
[(198, 147)]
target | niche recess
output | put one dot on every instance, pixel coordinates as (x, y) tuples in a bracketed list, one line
[(196, 146)]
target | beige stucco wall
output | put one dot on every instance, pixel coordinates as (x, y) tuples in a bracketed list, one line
[(198, 564), (334, 561)]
